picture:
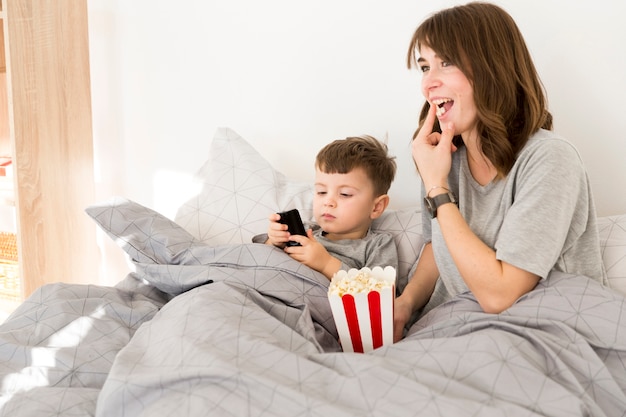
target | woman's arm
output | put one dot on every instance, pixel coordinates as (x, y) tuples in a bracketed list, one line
[(417, 292), (495, 284)]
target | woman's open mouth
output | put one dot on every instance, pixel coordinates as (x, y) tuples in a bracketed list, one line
[(443, 105)]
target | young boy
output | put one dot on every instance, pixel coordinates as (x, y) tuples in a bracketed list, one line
[(352, 178)]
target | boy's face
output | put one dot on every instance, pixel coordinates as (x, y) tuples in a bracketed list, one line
[(343, 203)]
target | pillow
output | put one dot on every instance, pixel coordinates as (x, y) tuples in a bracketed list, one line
[(405, 226), (144, 234), (612, 231), (239, 191)]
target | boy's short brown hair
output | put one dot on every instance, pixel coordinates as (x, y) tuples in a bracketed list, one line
[(343, 155)]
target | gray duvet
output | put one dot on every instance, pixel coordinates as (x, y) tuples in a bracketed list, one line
[(244, 330)]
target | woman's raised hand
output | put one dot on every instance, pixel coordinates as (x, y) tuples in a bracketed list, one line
[(432, 151)]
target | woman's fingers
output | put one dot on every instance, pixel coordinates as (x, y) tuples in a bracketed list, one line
[(429, 122)]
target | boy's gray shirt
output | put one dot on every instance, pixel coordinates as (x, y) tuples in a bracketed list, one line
[(375, 249), (540, 218)]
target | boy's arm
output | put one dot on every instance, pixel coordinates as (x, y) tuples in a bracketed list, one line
[(331, 267), (314, 255)]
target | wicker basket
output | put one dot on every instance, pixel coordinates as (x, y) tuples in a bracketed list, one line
[(9, 269)]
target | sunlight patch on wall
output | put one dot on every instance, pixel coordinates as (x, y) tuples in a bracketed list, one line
[(172, 189)]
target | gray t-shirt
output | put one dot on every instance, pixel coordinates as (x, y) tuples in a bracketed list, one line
[(375, 249), (540, 218)]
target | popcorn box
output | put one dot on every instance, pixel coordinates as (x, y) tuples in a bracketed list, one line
[(361, 301)]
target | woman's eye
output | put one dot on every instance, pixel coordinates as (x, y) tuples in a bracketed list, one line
[(424, 68), (446, 64)]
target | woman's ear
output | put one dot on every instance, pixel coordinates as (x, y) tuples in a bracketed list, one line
[(380, 205)]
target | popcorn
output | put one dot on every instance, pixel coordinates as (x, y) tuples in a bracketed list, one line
[(362, 306), (363, 281)]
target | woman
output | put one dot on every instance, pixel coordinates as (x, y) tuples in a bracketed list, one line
[(506, 200)]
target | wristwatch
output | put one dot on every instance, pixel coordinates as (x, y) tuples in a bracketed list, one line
[(433, 203)]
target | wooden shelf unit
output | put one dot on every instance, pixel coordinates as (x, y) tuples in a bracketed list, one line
[(45, 126)]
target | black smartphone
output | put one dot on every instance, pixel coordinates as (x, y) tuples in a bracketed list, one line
[(294, 224)]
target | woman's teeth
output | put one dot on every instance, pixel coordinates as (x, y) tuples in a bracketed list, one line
[(441, 109)]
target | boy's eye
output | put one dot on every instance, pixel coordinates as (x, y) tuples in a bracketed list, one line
[(346, 195)]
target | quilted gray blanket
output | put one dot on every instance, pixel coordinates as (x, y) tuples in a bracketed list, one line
[(246, 331)]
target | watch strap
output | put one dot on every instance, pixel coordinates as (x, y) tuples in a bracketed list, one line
[(439, 200)]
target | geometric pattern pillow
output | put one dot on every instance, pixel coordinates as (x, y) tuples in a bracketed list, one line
[(405, 225), (612, 231), (239, 191), (144, 234)]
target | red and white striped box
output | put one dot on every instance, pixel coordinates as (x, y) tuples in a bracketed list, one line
[(361, 301)]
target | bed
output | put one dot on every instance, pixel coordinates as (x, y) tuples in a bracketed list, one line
[(208, 323)]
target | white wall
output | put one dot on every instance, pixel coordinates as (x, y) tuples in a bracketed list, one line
[(290, 76)]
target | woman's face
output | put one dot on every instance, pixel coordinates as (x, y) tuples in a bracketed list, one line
[(447, 88)]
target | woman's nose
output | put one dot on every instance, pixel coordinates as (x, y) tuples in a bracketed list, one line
[(431, 79)]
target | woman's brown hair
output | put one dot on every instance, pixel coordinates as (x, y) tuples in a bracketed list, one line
[(484, 42)]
